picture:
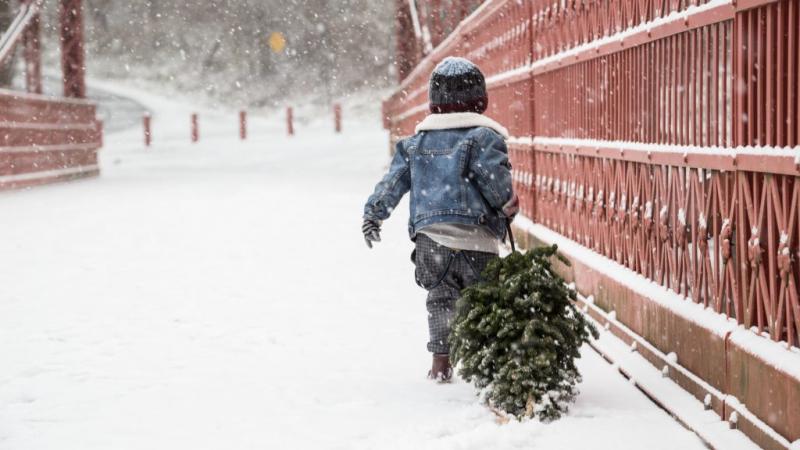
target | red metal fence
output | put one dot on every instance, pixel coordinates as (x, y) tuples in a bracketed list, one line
[(43, 138), (657, 136), (664, 135)]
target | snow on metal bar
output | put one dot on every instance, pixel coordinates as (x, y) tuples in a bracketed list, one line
[(412, 7), (48, 126), (673, 23), (58, 148), (676, 22), (55, 173), (783, 160), (12, 36), (447, 42), (742, 5), (30, 96)]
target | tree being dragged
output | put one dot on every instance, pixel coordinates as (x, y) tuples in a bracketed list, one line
[(517, 334)]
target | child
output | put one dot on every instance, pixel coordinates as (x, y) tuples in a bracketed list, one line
[(457, 170)]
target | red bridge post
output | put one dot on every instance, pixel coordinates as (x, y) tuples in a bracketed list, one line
[(337, 117), (33, 55), (195, 128), (290, 121), (243, 125), (73, 62), (33, 123), (148, 137)]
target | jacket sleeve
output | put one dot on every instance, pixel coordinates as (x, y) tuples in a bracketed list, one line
[(490, 169), (391, 188)]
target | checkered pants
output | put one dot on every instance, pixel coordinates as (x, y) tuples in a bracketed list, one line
[(444, 272)]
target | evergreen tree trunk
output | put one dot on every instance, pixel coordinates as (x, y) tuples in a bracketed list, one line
[(6, 17)]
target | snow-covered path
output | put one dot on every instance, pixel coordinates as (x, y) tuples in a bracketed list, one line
[(220, 296)]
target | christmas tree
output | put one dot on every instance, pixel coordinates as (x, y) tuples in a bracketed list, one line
[(517, 334)]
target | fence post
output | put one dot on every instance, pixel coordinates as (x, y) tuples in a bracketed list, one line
[(33, 55), (243, 125), (148, 136), (290, 121), (73, 56), (195, 128), (337, 117)]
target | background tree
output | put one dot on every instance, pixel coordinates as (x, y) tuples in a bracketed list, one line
[(334, 47)]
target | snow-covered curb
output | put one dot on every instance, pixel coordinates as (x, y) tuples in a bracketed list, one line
[(682, 405), (732, 152)]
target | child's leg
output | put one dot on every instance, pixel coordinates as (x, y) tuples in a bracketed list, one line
[(434, 264), (464, 271), (441, 305), (444, 273)]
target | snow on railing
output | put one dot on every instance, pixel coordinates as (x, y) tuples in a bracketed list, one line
[(16, 30)]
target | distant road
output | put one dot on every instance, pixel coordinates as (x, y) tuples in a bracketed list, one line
[(117, 113)]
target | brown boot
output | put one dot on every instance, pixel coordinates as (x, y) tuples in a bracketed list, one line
[(441, 370)]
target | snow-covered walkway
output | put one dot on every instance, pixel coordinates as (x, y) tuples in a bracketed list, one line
[(220, 296)]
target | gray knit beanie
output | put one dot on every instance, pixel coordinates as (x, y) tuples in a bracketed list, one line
[(457, 85)]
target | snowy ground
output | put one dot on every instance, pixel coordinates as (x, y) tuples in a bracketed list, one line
[(219, 295)]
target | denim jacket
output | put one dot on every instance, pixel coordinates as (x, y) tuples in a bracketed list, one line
[(457, 170)]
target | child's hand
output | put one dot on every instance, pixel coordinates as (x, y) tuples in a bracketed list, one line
[(511, 208), (372, 231)]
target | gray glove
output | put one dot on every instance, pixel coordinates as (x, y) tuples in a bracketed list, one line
[(372, 231)]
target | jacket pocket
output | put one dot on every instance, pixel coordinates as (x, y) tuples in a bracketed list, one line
[(437, 151)]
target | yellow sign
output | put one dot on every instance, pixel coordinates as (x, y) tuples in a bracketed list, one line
[(277, 42)]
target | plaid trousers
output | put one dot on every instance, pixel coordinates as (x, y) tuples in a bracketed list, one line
[(444, 272)]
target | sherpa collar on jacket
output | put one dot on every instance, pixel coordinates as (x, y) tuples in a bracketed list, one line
[(460, 120)]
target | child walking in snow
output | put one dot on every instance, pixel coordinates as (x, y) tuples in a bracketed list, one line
[(457, 170)]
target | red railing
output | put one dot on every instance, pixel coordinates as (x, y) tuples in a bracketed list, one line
[(655, 133), (422, 25), (664, 135), (43, 138)]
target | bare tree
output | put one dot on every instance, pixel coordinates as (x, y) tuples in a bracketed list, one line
[(221, 46)]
